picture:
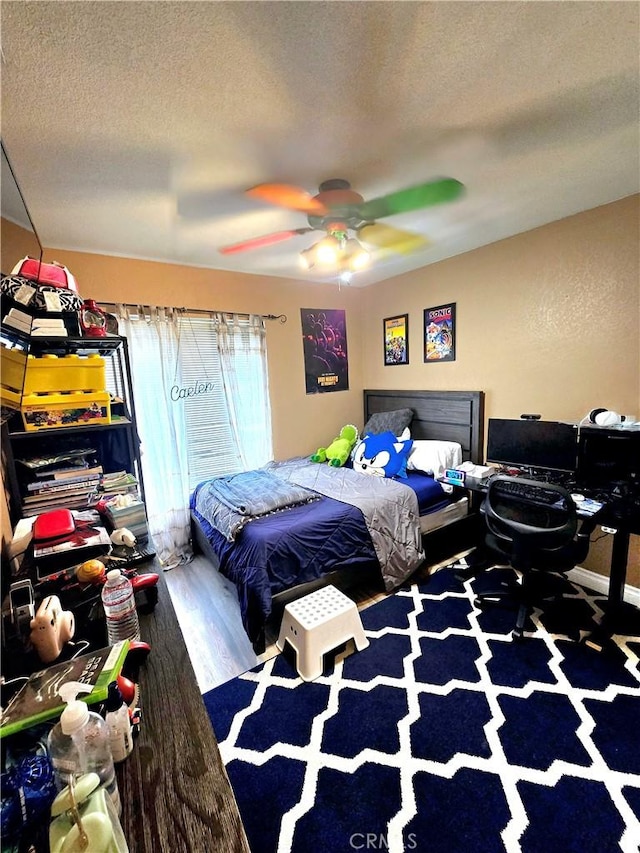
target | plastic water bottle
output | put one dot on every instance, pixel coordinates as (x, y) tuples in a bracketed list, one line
[(79, 743), (119, 606)]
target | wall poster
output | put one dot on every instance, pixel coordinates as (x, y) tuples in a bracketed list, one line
[(396, 339), (324, 340), (440, 333)]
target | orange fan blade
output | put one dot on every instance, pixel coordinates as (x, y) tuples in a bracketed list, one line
[(260, 242), (285, 195), (391, 239)]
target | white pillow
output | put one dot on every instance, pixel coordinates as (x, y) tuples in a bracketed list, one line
[(433, 457)]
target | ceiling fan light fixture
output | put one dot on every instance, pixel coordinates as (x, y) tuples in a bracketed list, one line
[(327, 251), (356, 255), (308, 258)]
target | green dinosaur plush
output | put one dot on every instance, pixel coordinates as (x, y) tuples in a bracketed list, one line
[(338, 451)]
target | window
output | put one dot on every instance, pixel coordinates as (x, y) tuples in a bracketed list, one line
[(211, 446), (211, 449)]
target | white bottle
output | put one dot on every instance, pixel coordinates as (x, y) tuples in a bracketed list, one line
[(119, 604), (119, 724), (79, 743)]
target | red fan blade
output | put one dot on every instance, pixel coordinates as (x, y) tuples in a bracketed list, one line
[(260, 242), (285, 195)]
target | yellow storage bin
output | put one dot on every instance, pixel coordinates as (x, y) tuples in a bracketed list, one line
[(51, 411), (51, 374), (12, 367)]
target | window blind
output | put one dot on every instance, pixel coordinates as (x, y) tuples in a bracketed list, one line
[(197, 380)]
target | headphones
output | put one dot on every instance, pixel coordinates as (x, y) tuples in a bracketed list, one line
[(604, 417)]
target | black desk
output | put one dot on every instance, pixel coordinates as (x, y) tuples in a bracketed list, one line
[(622, 516)]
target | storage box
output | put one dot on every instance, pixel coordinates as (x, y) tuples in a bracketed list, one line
[(13, 366), (50, 411), (53, 374)]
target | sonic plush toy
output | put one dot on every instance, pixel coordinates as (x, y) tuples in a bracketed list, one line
[(383, 455), (338, 451)]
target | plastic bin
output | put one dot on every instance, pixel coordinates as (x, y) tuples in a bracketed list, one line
[(50, 411), (48, 374)]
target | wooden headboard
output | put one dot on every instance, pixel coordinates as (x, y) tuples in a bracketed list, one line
[(443, 415)]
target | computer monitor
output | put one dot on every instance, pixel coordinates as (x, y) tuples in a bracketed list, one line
[(535, 445), (609, 458)]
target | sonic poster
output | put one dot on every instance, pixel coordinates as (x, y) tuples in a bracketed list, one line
[(440, 333), (324, 339)]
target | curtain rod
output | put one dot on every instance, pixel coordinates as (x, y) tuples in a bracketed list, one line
[(281, 317)]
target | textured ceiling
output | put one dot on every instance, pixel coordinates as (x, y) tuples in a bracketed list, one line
[(134, 128)]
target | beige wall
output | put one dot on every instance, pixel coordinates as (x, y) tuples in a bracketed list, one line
[(548, 321)]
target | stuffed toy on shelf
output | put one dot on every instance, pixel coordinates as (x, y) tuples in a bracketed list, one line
[(337, 453)]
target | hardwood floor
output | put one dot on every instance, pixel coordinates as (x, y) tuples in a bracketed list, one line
[(206, 605)]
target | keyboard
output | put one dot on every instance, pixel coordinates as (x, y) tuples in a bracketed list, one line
[(528, 492)]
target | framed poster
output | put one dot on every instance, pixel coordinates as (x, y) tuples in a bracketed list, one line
[(324, 342), (396, 339), (440, 333)]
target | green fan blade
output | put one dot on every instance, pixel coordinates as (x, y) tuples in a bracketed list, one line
[(413, 198)]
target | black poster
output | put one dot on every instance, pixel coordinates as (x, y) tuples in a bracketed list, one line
[(324, 339)]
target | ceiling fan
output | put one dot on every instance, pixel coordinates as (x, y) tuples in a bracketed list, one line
[(339, 211)]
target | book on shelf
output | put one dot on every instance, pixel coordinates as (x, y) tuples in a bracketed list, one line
[(38, 699), (91, 478), (117, 479), (58, 494), (73, 471), (79, 503)]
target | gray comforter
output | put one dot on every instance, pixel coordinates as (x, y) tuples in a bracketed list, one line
[(390, 511)]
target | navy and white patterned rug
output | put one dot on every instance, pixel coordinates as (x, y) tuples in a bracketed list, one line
[(444, 735)]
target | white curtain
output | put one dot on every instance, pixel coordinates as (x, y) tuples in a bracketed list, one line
[(153, 338), (243, 360)]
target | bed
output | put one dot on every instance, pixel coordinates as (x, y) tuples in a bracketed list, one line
[(369, 534)]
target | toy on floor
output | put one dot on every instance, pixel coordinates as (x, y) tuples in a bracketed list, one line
[(337, 453)]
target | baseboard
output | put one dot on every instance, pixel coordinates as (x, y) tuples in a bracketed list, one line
[(600, 583)]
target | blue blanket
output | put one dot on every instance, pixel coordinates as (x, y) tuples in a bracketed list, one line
[(230, 502)]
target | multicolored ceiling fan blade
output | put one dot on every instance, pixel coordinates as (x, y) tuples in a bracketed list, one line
[(261, 242), (285, 195), (413, 198), (391, 239)]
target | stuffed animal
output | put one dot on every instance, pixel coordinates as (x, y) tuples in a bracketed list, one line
[(338, 451), (383, 455)]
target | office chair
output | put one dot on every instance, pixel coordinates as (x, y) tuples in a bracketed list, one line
[(532, 526)]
